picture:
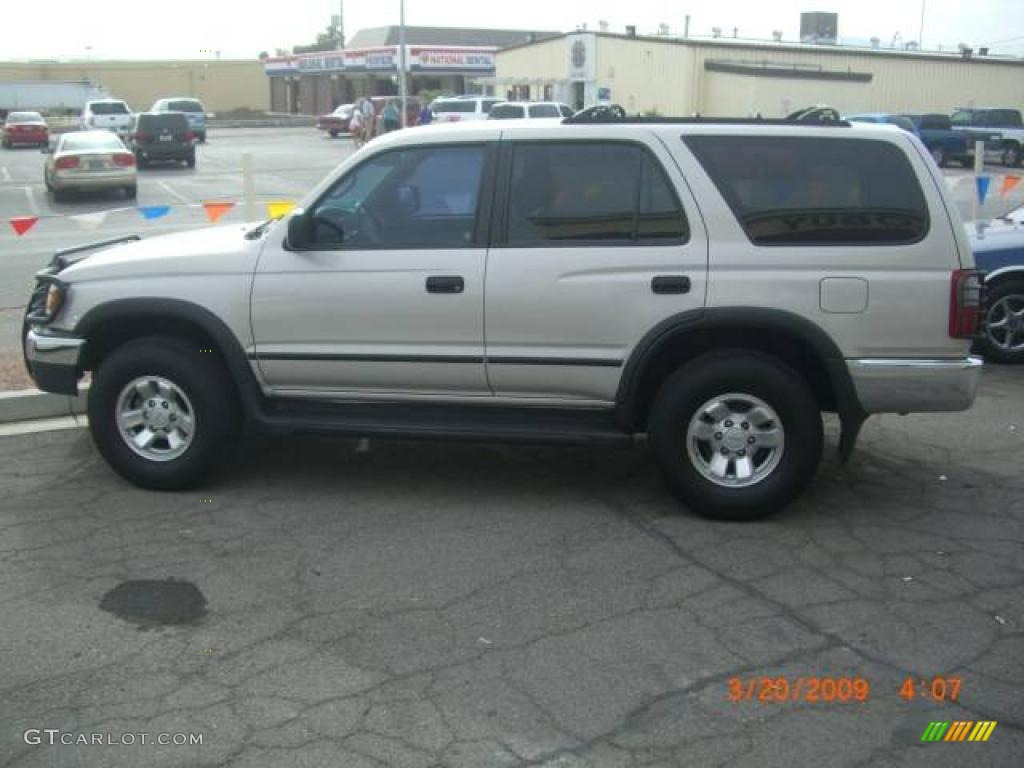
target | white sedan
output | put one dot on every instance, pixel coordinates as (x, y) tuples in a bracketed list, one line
[(89, 160)]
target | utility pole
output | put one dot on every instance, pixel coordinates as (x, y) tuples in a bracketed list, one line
[(402, 85), (341, 24), (920, 29)]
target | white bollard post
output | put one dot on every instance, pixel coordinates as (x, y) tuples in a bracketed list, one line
[(249, 188)]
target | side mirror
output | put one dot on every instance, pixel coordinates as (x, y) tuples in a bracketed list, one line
[(300, 230)]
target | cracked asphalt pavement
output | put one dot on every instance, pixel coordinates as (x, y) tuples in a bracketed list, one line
[(421, 604)]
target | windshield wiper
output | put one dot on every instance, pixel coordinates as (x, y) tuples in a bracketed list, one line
[(258, 230)]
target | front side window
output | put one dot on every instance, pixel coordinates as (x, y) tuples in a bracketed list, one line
[(506, 111), (790, 190), (544, 110), (597, 193), (424, 197)]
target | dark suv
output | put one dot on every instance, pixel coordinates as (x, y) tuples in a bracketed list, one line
[(163, 136)]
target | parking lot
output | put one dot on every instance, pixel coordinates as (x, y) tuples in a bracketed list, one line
[(361, 603)]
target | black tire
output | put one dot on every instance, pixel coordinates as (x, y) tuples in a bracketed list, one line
[(59, 195), (1013, 291), (205, 382), (334, 134), (1011, 155), (141, 161), (190, 161), (131, 192), (751, 373)]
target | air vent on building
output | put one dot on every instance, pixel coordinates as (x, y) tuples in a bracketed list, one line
[(716, 31), (631, 30), (777, 35), (663, 29)]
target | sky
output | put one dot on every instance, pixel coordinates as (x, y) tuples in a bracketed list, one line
[(110, 29)]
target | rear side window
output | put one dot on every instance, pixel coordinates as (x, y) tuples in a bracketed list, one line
[(506, 111), (1008, 118), (788, 190), (936, 122), (486, 104), (544, 110), (596, 193), (461, 105), (108, 108)]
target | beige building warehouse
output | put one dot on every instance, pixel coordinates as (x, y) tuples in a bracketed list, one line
[(726, 77), (222, 85)]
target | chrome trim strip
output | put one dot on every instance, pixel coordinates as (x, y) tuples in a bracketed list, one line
[(906, 385)]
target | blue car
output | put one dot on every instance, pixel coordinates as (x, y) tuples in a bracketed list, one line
[(999, 252), (935, 131), (193, 109)]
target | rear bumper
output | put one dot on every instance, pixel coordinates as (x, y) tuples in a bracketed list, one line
[(95, 180), (53, 361), (158, 152), (886, 385)]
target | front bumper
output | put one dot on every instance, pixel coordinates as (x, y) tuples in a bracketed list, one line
[(53, 360), (887, 385)]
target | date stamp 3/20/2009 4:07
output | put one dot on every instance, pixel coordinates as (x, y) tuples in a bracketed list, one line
[(843, 689)]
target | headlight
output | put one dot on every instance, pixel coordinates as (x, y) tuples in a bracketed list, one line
[(54, 300)]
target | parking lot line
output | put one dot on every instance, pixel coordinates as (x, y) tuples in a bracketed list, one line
[(171, 191), (31, 196)]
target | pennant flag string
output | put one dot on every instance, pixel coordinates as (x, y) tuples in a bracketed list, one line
[(1009, 182), (151, 212), (90, 220), (279, 208), (215, 210), (23, 224), (983, 182)]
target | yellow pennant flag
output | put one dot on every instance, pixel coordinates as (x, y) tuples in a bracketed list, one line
[(1009, 182), (279, 208), (215, 210)]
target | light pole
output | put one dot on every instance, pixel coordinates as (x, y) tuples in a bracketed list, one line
[(920, 29), (402, 85)]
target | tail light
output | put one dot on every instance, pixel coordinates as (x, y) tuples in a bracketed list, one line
[(141, 137), (965, 304), (189, 136), (124, 160), (63, 163)]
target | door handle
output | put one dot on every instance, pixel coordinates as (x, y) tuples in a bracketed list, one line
[(445, 284), (670, 284)]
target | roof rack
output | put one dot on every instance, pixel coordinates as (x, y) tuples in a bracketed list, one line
[(613, 113)]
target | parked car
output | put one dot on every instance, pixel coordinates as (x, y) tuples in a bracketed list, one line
[(337, 121), (1001, 129), (412, 110), (89, 161), (945, 144), (998, 248), (714, 286), (512, 110), (163, 137), (25, 128), (461, 108), (194, 111), (107, 114), (883, 118)]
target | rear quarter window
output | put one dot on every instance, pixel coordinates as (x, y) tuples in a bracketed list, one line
[(185, 105), (172, 120), (789, 190), (461, 105)]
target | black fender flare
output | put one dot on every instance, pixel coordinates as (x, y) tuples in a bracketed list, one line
[(178, 309), (672, 328)]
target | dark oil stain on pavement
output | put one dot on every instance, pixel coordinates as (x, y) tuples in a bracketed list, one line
[(156, 603)]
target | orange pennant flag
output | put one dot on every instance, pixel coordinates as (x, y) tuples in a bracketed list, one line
[(1009, 182), (23, 224), (215, 210)]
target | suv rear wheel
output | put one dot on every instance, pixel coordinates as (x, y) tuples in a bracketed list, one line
[(737, 435), (1004, 323), (161, 412)]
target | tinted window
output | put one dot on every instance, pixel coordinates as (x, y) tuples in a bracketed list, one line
[(803, 191), (412, 198), (963, 117), (91, 142), (455, 106), (173, 120), (566, 111), (109, 108), (590, 193), (506, 111), (902, 122), (936, 122), (184, 105), (1009, 118), (544, 110)]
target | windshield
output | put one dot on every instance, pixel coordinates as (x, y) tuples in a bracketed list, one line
[(96, 141), (962, 117), (109, 108), (24, 117), (185, 105)]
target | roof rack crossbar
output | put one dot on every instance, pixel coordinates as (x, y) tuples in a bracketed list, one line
[(588, 120)]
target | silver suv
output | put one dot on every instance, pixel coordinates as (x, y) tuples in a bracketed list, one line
[(715, 286)]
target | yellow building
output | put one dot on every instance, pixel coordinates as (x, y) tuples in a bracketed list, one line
[(222, 85), (738, 78)]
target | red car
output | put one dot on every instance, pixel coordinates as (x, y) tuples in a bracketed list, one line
[(25, 128), (337, 121)]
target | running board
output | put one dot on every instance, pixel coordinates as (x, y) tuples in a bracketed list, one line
[(444, 422)]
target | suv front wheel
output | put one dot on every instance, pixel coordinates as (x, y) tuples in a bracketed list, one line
[(161, 412), (737, 435)]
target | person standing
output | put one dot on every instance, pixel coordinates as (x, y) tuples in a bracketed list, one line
[(426, 117), (369, 117), (355, 125), (391, 117)]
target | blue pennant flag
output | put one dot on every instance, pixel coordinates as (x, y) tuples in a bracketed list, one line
[(154, 211), (983, 182)]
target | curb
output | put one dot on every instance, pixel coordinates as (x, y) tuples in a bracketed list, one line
[(30, 404)]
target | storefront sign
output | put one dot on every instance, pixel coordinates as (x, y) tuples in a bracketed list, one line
[(321, 62), (385, 59), (452, 59)]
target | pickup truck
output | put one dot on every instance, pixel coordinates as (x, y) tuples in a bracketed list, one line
[(946, 144), (997, 127)]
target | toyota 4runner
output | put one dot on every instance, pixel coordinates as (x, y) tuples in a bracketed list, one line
[(713, 285)]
